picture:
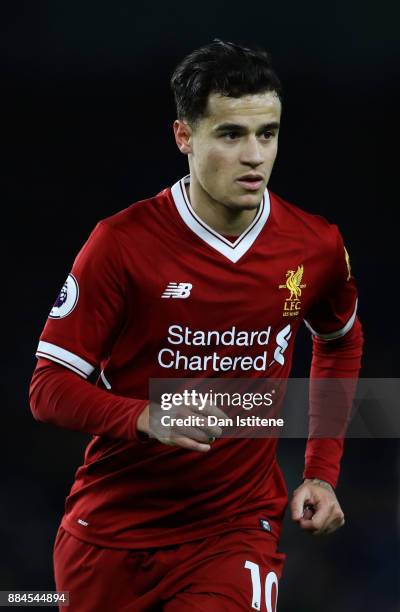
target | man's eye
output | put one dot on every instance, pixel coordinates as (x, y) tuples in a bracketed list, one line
[(268, 135), (231, 135)]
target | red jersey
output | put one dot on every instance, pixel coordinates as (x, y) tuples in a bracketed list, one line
[(155, 293)]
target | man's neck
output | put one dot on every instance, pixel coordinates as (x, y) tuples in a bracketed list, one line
[(220, 218)]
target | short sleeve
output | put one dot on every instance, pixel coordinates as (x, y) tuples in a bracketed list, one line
[(334, 314), (89, 310)]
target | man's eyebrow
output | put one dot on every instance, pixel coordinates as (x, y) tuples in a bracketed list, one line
[(226, 127)]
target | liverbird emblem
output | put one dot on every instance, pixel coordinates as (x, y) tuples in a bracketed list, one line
[(293, 283)]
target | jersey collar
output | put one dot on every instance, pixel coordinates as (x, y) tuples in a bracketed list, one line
[(231, 250)]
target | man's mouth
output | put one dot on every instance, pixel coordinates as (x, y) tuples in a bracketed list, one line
[(251, 182)]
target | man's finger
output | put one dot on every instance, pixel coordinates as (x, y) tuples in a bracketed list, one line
[(308, 511), (321, 517), (297, 504), (200, 434), (208, 410), (337, 523), (188, 444), (330, 519)]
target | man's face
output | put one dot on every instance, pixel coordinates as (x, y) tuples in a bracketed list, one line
[(233, 148)]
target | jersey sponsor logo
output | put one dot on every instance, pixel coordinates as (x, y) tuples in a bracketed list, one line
[(293, 284), (282, 339), (177, 290), (67, 299), (175, 357)]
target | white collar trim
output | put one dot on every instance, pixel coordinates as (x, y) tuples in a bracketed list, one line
[(231, 250)]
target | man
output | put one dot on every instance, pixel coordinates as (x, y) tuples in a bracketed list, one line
[(193, 522)]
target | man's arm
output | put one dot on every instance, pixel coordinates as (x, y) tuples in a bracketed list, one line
[(334, 373), (61, 397), (314, 505), (336, 361)]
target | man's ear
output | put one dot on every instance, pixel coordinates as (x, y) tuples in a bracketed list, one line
[(183, 136)]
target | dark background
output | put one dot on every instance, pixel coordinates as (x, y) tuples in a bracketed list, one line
[(86, 130)]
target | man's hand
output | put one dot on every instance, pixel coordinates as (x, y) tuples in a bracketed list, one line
[(196, 438), (315, 507)]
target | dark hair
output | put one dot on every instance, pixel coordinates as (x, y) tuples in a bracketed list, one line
[(224, 68)]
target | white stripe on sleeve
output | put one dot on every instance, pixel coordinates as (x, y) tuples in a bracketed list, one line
[(336, 334), (65, 358)]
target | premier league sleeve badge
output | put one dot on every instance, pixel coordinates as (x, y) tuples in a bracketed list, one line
[(66, 300)]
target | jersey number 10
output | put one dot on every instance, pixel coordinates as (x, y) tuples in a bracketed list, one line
[(271, 579)]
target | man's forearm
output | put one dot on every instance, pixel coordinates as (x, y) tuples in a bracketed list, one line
[(335, 359), (62, 398)]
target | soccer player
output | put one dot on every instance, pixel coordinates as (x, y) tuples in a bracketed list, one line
[(193, 522)]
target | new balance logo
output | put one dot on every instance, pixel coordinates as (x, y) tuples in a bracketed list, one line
[(177, 290)]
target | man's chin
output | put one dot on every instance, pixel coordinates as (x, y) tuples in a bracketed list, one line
[(247, 202)]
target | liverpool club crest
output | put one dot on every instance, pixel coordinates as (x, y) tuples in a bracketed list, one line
[(293, 284)]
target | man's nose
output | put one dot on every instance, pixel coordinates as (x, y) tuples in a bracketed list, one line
[(252, 153)]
